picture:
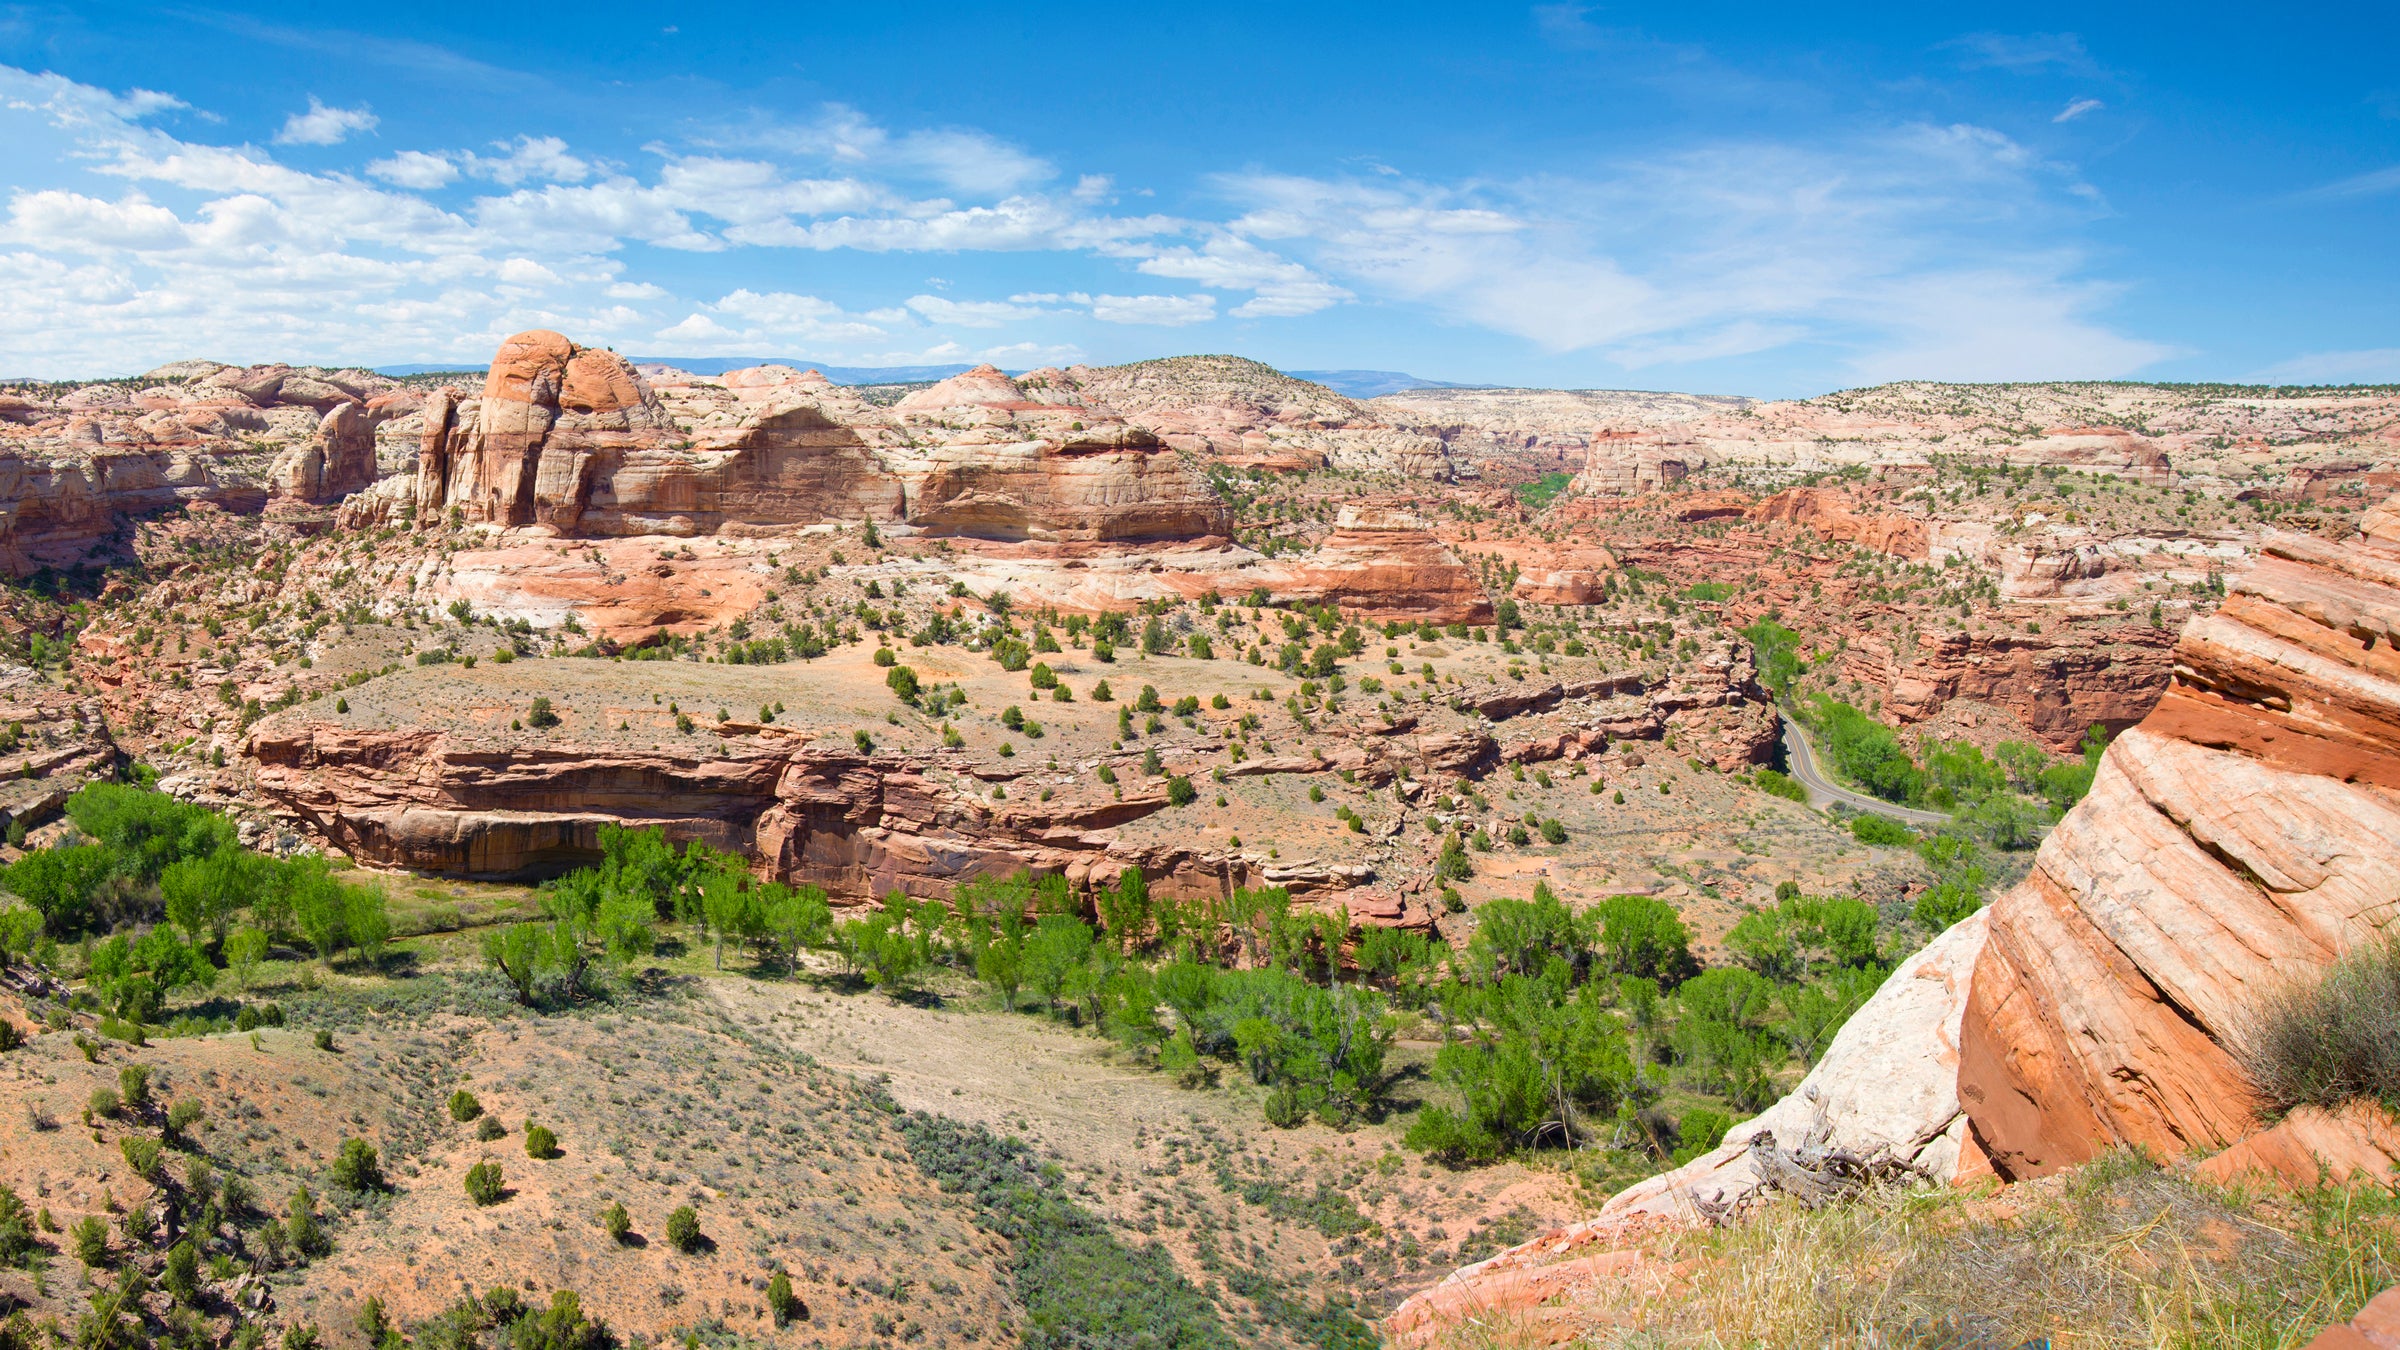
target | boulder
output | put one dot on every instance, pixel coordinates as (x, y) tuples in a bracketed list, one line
[(1886, 1088)]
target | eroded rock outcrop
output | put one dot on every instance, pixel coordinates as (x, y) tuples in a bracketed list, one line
[(576, 441), (860, 825), (1832, 516), (1385, 565), (2237, 840)]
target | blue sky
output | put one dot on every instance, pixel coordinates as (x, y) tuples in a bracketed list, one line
[(1772, 200)]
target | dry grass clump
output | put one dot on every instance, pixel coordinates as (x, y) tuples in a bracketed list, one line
[(2333, 1041), (2119, 1254)]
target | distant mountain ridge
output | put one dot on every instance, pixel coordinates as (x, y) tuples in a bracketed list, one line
[(1375, 383)]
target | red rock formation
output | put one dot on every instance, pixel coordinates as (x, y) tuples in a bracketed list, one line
[(2361, 1140), (1566, 586), (575, 440), (2236, 840), (335, 462), (1830, 515), (1246, 415), (2376, 1327), (1387, 565), (2058, 684)]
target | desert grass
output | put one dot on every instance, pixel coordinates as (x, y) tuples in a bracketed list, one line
[(2118, 1255), (2334, 1040)]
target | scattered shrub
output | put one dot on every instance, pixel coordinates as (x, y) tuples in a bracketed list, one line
[(490, 1128), (785, 1305), (540, 1142), (357, 1167), (464, 1107), (486, 1185), (683, 1229), (89, 1238), (1880, 831), (617, 1222)]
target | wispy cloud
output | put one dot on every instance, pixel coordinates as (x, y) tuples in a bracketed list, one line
[(321, 125), (1920, 249), (2373, 183), (2023, 53), (2078, 108), (958, 158), (1912, 248), (2376, 365)]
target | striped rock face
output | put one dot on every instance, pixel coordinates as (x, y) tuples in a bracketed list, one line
[(2241, 837)]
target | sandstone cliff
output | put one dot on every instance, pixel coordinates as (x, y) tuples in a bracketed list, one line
[(573, 440)]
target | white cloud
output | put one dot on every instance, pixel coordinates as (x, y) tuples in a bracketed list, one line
[(747, 322), (1171, 311), (2078, 108), (1229, 262), (414, 169), (321, 125), (529, 159), (970, 313), (2023, 53), (1926, 250), (1027, 355), (960, 159), (2379, 365)]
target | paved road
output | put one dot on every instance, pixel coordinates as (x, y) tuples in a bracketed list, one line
[(1823, 790)]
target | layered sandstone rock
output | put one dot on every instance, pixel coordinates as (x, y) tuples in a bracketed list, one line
[(335, 462), (2059, 684), (75, 461), (60, 744), (576, 441), (1560, 586), (1622, 466), (2236, 841), (1386, 565), (859, 825)]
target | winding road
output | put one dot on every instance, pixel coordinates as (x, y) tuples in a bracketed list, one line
[(1822, 791)]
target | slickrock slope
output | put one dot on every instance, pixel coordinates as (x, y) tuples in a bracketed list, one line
[(2239, 838)]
